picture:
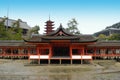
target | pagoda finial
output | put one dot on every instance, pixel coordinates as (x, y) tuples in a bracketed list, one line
[(60, 25), (49, 16)]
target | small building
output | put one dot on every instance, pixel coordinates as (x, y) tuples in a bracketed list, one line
[(23, 25)]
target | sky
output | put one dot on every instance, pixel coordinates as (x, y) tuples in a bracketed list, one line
[(92, 15)]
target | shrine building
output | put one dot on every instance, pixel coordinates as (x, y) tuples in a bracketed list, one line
[(60, 47)]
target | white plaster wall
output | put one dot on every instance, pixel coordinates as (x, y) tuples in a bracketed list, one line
[(76, 57), (34, 57), (87, 57), (81, 57), (44, 56)]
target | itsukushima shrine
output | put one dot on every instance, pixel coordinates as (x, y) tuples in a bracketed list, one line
[(59, 47)]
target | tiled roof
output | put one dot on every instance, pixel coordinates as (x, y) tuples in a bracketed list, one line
[(60, 29), (62, 34), (14, 43), (60, 37), (106, 44)]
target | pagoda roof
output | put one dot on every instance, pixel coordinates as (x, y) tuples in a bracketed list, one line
[(49, 27), (62, 34), (49, 21)]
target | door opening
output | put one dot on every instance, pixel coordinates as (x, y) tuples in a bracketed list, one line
[(61, 51)]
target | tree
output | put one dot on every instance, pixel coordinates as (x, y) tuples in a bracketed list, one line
[(114, 37), (102, 37), (3, 32), (35, 29), (16, 31), (72, 27)]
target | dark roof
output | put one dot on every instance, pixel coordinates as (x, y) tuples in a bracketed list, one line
[(49, 21), (60, 37), (106, 44), (60, 29), (87, 38), (62, 34), (14, 43)]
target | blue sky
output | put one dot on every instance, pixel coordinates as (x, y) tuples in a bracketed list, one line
[(92, 15)]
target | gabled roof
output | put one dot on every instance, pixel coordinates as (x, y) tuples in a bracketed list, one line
[(65, 32), (62, 34)]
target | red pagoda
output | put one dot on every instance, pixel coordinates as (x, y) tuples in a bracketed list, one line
[(49, 26)]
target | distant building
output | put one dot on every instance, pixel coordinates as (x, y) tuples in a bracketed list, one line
[(108, 32), (9, 22)]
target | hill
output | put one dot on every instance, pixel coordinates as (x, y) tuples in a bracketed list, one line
[(116, 25)]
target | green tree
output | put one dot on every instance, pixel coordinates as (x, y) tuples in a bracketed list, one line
[(15, 31), (72, 27), (102, 37), (114, 37), (3, 32), (16, 27), (35, 29)]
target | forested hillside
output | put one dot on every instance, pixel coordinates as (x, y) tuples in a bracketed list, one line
[(116, 25)]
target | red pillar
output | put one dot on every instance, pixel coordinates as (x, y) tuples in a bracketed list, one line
[(38, 53), (83, 52), (50, 53), (94, 53), (71, 52), (29, 55), (82, 55)]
